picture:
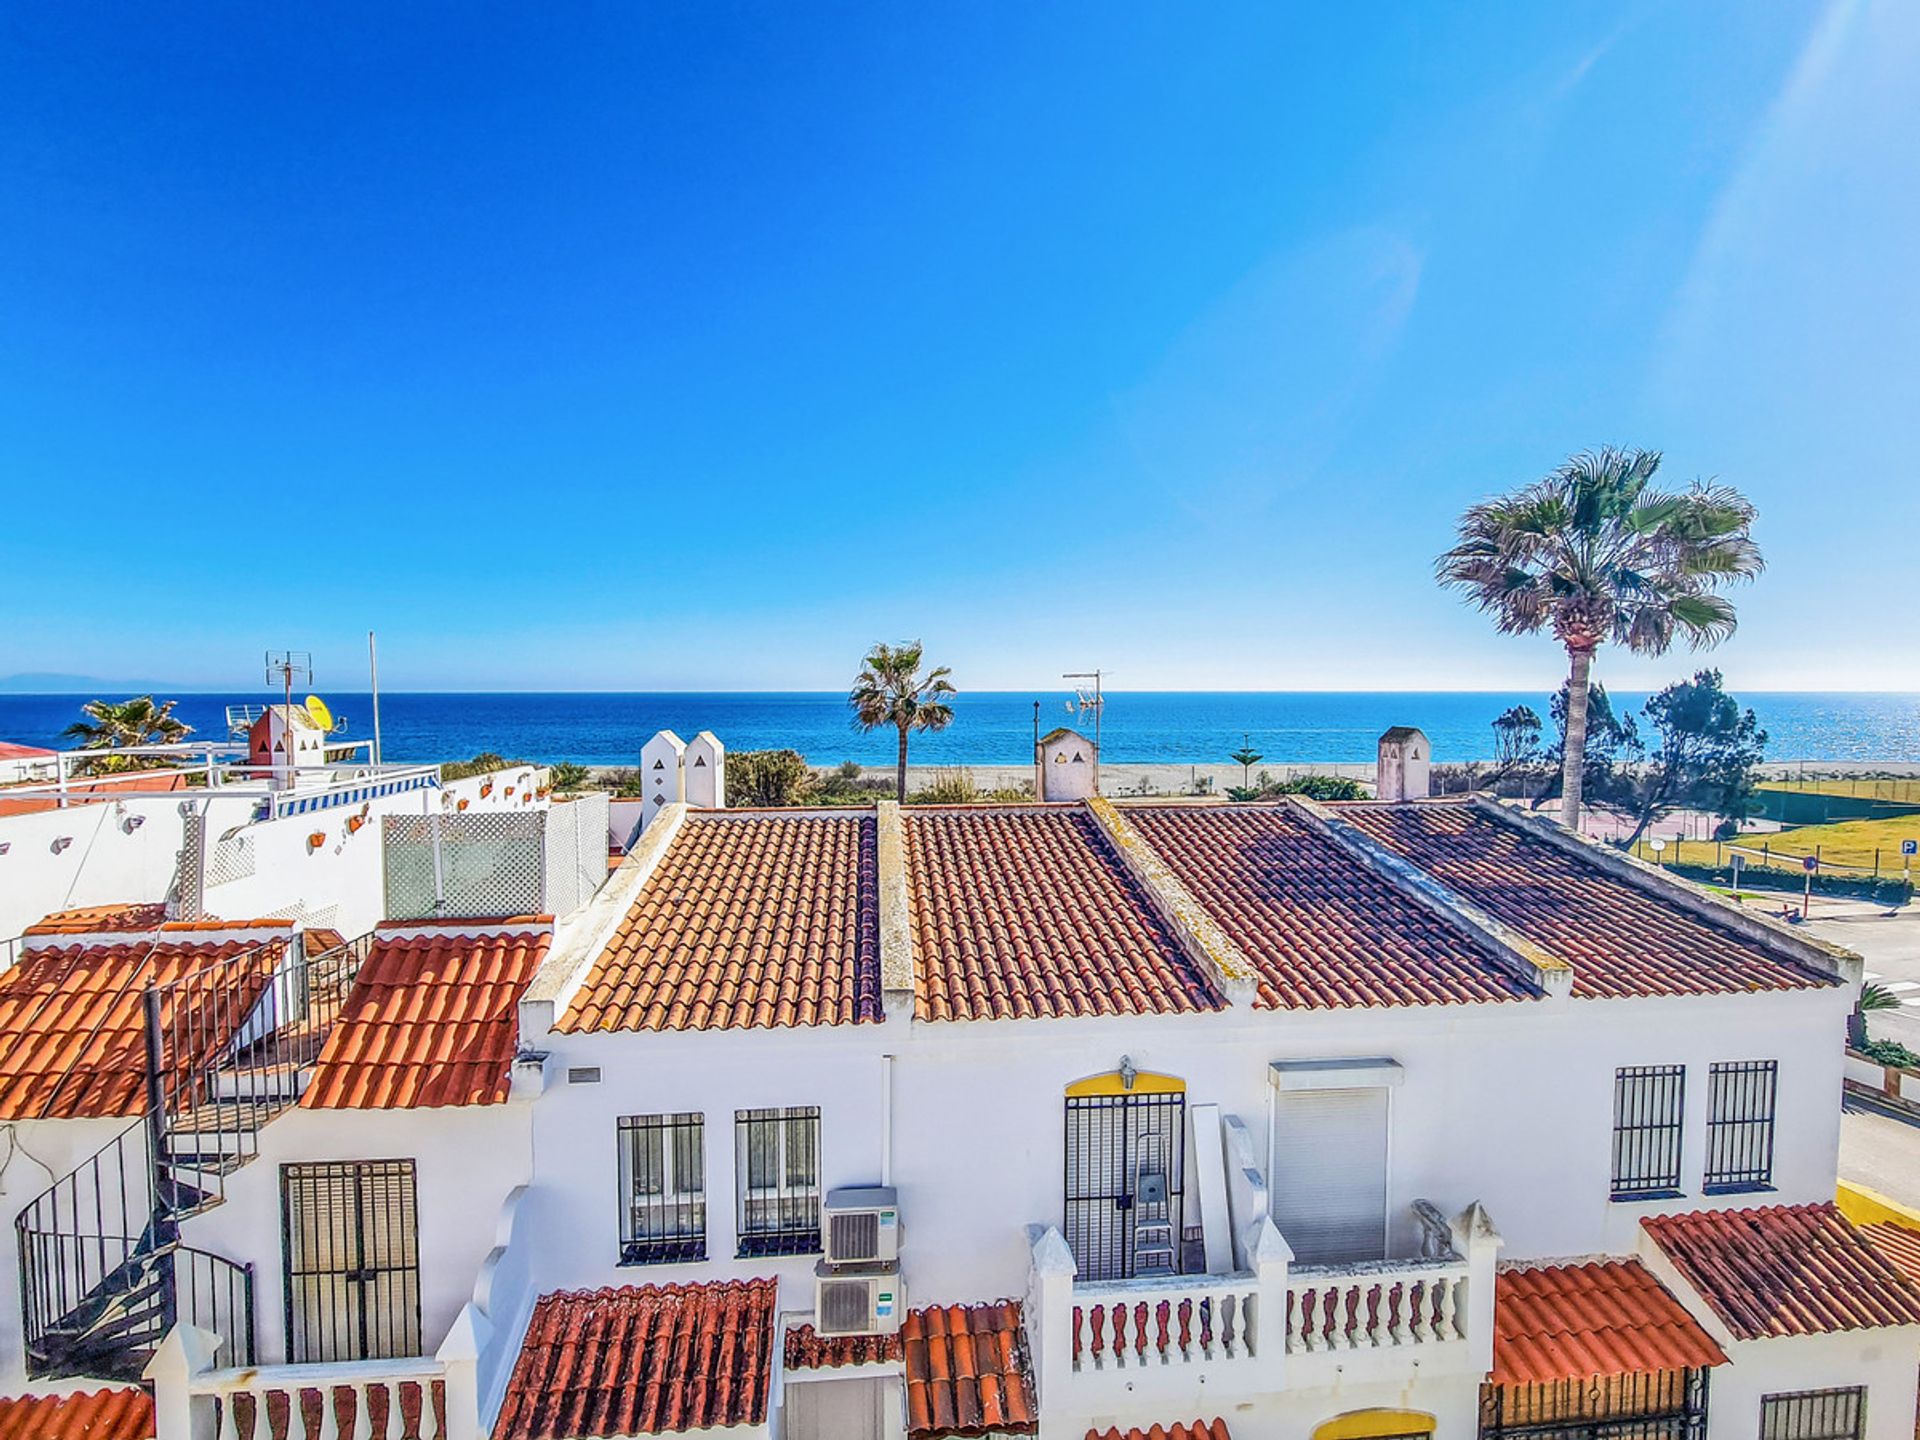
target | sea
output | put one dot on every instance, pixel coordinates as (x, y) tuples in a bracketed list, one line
[(994, 727)]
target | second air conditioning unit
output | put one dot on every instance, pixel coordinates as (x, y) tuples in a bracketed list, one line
[(858, 1300), (860, 1225)]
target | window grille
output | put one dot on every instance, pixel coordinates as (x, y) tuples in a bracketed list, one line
[(1650, 1405), (663, 1188), (778, 1157), (1740, 1103), (350, 1234), (1814, 1415), (1649, 1103)]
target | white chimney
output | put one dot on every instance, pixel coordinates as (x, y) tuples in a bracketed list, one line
[(705, 768), (661, 780), (1065, 763), (1405, 759)]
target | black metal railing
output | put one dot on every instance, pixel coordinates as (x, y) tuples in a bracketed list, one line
[(663, 1188), (103, 1274), (1649, 1103), (1813, 1414), (235, 1038), (1642, 1405)]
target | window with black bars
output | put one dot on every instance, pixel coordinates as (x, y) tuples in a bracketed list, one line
[(1649, 1107), (1644, 1405), (777, 1157), (1740, 1101), (663, 1188), (350, 1237), (1814, 1415)]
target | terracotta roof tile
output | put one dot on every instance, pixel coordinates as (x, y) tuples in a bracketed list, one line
[(746, 923), (11, 751), (131, 783), (1027, 914), (1607, 1317), (73, 1025), (646, 1360), (433, 1020), (1323, 929), (1786, 1270), (96, 1415), (808, 1349), (102, 919), (1898, 1244), (968, 1372), (1621, 940), (1198, 1430)]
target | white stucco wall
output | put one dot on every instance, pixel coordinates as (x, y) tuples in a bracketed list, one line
[(1511, 1105), (1887, 1362)]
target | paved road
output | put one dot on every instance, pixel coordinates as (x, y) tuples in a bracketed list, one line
[(1880, 1149)]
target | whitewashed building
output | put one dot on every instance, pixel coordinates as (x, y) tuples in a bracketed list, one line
[(1278, 1122)]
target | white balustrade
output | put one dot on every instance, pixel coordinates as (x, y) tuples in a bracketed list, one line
[(1178, 1320), (1376, 1306), (351, 1400)]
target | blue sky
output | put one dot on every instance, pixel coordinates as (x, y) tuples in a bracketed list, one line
[(649, 346)]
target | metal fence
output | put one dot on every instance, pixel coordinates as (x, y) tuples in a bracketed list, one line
[(495, 862)]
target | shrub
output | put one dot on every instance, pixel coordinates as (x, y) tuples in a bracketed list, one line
[(1887, 890), (948, 787), (625, 784), (485, 763), (1890, 1052), (1323, 787), (768, 778), (567, 778)]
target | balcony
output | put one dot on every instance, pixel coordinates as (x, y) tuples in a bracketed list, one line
[(1268, 1325)]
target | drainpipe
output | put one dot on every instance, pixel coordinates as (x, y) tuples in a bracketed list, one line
[(886, 1119)]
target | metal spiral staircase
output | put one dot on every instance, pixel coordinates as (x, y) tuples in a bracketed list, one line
[(104, 1274)]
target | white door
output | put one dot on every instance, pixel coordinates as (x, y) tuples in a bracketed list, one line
[(1329, 1173), (836, 1409)]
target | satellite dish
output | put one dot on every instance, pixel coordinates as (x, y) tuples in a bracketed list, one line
[(322, 716)]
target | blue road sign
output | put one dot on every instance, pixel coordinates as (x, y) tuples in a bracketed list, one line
[(1809, 863), (1910, 847)]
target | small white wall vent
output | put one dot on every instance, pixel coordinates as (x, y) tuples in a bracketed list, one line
[(583, 1075)]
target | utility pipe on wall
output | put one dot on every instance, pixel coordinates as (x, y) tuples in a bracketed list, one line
[(886, 1119)]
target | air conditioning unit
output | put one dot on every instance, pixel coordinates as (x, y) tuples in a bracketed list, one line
[(858, 1300), (860, 1225)]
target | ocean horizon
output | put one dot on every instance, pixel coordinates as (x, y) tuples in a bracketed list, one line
[(993, 727)]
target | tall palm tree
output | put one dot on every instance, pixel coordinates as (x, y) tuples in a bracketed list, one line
[(1596, 554), (890, 690), (113, 725)]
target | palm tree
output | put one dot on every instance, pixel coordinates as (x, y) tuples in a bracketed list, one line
[(891, 691), (1597, 555), (113, 725)]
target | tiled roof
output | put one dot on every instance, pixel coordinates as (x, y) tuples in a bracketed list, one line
[(1620, 939), (1198, 1430), (968, 1372), (1898, 1244), (755, 922), (132, 783), (73, 1026), (102, 919), (1606, 1317), (1322, 928), (11, 751), (808, 1349), (96, 1415), (1024, 914), (647, 1360), (433, 1020), (1786, 1270)]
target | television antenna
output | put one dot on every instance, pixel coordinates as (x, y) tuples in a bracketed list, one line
[(290, 667), (1089, 700)]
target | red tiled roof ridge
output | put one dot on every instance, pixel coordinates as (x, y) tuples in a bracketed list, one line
[(112, 1413), (1604, 1316), (1215, 1429), (1779, 1270)]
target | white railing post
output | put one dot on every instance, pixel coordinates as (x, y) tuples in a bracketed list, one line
[(459, 1354), (1050, 1311), (1477, 1241), (1270, 1258), (179, 1414)]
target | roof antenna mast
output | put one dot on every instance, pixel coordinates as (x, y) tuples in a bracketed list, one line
[(1087, 701)]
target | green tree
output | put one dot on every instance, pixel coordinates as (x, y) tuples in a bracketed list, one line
[(1516, 739), (1246, 757), (1596, 555), (768, 778), (1708, 748), (890, 691), (1613, 747), (567, 778), (117, 725)]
